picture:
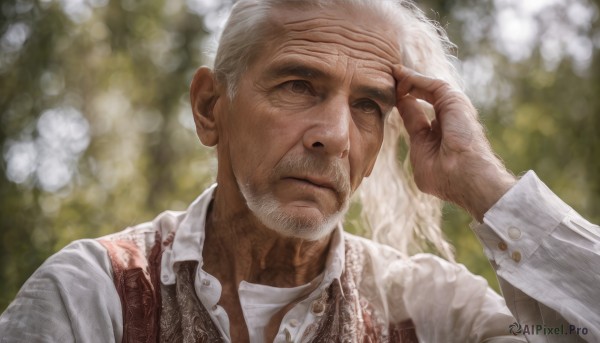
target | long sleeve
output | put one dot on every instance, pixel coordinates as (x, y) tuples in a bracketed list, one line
[(445, 301), (70, 298), (448, 303), (547, 258)]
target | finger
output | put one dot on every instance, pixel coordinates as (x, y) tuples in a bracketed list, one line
[(437, 92), (420, 86), (414, 117)]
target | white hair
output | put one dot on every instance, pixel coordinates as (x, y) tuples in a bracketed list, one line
[(395, 212), (268, 210)]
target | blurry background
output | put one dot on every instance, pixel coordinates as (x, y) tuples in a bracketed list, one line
[(96, 132)]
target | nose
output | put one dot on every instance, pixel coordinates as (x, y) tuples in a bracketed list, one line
[(329, 133)]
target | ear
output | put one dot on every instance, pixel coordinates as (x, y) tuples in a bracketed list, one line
[(203, 97), (370, 169), (373, 162)]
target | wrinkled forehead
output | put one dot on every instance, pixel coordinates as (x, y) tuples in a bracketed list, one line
[(356, 32)]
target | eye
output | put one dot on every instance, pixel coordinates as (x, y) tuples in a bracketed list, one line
[(298, 87), (368, 107)]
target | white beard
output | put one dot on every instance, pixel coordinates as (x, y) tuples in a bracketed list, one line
[(268, 210)]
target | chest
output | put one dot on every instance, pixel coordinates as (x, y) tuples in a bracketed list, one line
[(184, 317), (230, 302)]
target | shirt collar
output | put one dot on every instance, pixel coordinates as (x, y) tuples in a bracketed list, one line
[(189, 240)]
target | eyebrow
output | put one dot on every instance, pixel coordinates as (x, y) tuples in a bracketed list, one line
[(384, 95), (296, 69)]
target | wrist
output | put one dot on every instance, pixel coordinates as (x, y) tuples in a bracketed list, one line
[(487, 190)]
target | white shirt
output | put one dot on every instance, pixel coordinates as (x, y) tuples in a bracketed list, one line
[(546, 256), (260, 303)]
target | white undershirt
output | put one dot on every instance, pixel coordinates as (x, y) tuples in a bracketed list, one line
[(260, 303)]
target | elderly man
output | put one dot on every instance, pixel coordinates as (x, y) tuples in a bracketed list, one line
[(297, 106)]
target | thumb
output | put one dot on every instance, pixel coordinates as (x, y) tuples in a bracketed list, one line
[(414, 117)]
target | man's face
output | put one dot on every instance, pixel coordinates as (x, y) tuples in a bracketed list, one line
[(307, 121)]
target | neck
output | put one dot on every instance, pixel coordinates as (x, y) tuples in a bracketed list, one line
[(239, 248)]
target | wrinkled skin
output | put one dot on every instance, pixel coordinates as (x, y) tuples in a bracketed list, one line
[(320, 92), (451, 156)]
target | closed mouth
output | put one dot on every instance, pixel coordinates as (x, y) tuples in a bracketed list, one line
[(318, 182)]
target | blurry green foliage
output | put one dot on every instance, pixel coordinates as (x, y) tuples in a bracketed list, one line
[(115, 78), (97, 134)]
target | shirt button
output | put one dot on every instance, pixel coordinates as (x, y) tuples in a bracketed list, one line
[(215, 307), (317, 308), (294, 323), (205, 282), (502, 246), (165, 278), (516, 256), (514, 233)]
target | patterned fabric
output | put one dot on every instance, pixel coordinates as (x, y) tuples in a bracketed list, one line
[(155, 312), (136, 282), (183, 317), (349, 317)]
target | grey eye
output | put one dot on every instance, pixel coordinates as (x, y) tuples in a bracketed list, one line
[(298, 86), (368, 106)]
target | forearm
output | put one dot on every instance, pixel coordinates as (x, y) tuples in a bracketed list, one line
[(546, 256), (485, 189)]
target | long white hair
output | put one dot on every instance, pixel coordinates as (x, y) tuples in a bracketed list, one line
[(394, 211)]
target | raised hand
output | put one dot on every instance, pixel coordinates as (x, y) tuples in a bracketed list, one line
[(451, 157)]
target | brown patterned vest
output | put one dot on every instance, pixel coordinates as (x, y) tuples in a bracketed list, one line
[(154, 312)]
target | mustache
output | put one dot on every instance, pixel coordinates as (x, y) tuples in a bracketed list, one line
[(331, 169)]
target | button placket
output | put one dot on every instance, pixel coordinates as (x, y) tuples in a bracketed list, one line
[(167, 275)]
